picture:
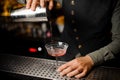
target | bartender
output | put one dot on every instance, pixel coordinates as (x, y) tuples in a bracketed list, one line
[(92, 30)]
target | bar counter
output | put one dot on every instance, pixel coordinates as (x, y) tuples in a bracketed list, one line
[(30, 68)]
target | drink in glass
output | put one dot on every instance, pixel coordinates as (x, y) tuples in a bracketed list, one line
[(56, 49)]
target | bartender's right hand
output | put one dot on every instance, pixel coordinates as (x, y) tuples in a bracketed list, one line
[(32, 4)]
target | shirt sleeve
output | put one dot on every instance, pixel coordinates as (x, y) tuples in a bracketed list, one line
[(109, 51)]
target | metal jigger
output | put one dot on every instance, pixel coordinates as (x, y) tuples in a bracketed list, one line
[(27, 15)]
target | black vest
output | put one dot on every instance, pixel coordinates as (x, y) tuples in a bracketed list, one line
[(87, 25)]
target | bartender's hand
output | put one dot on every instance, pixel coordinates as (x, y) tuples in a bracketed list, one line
[(32, 4), (78, 67)]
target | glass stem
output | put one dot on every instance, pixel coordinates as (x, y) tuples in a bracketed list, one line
[(56, 61), (50, 23)]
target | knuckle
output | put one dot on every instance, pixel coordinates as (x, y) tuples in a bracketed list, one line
[(78, 70), (71, 68), (83, 74)]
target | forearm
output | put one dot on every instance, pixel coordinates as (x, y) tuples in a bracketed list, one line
[(106, 53), (109, 51)]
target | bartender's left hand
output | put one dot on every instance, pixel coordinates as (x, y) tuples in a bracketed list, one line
[(78, 67)]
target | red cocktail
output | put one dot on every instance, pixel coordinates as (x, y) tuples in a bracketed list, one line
[(56, 49)]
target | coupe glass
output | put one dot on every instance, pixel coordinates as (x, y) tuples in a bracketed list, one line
[(56, 49)]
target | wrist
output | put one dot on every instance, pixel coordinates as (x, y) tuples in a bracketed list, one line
[(89, 59)]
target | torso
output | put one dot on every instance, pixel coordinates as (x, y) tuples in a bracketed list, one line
[(87, 23)]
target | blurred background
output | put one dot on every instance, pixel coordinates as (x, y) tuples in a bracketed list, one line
[(28, 38)]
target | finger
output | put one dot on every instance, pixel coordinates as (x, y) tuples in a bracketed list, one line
[(29, 2), (75, 72), (81, 74), (64, 66), (42, 3), (50, 4), (67, 70), (34, 4)]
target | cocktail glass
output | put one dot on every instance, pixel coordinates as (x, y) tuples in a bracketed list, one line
[(56, 49)]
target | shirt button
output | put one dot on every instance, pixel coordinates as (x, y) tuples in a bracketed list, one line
[(72, 12), (72, 2), (77, 38), (73, 21), (79, 46), (75, 30)]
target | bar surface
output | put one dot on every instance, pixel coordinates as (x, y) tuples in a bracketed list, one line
[(25, 68)]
